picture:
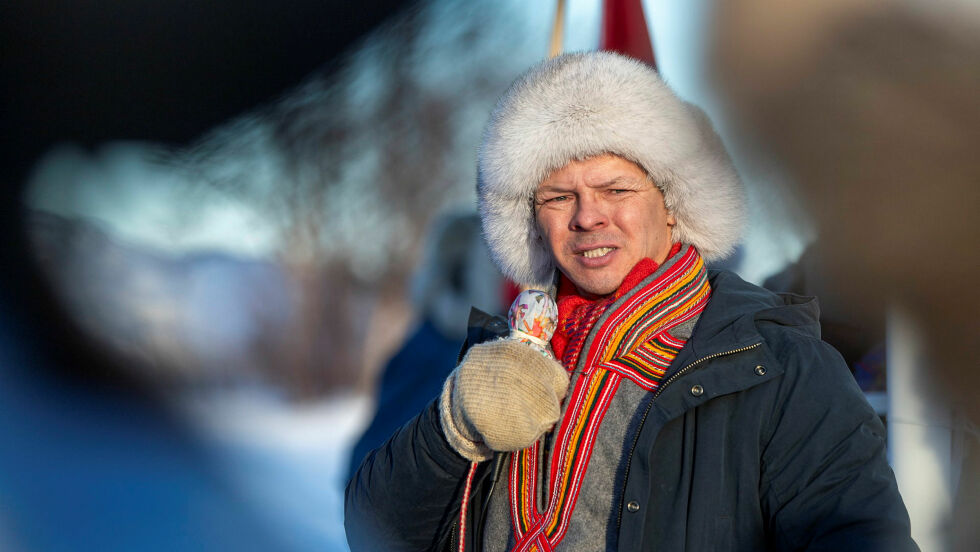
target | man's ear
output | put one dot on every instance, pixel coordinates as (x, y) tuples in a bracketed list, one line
[(671, 221)]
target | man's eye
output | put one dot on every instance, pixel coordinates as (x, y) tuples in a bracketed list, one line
[(556, 199)]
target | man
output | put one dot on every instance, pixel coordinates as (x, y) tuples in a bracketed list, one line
[(689, 410)]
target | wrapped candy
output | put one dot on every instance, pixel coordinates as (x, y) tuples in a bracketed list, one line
[(533, 318)]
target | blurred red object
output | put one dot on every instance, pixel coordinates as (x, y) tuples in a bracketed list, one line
[(624, 30)]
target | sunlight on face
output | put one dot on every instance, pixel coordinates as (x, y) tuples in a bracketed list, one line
[(598, 218)]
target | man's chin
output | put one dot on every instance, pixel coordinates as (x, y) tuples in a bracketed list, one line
[(596, 288)]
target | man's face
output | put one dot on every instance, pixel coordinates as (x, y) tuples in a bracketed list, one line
[(598, 218)]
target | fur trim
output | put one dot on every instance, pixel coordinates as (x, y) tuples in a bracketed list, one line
[(581, 105)]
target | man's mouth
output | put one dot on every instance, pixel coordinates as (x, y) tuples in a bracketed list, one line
[(596, 253)]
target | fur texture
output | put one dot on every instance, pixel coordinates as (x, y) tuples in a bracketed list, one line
[(581, 105)]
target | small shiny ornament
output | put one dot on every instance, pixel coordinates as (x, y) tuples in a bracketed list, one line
[(533, 319)]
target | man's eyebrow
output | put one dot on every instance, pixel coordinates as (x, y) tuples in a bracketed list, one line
[(616, 181), (552, 188)]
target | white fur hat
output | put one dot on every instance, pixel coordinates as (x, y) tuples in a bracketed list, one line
[(580, 105)]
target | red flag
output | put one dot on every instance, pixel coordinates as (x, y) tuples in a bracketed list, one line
[(624, 30)]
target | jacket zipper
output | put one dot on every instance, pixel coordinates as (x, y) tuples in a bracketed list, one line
[(646, 411), (454, 538)]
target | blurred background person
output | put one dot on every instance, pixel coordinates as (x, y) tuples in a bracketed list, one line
[(871, 108), (455, 274), (92, 455)]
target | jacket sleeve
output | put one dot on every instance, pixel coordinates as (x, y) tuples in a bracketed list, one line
[(826, 482), (406, 494)]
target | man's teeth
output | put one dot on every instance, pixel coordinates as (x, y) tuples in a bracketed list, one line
[(593, 253)]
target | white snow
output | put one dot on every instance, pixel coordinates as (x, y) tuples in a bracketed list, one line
[(289, 460)]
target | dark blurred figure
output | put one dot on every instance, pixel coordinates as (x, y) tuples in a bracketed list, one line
[(871, 107), (91, 457), (859, 340), (455, 274)]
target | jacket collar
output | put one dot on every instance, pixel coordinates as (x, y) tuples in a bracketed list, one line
[(726, 346), (729, 320)]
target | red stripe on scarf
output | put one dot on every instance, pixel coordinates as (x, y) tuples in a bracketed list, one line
[(576, 314)]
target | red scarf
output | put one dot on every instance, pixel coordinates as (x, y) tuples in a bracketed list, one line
[(577, 315)]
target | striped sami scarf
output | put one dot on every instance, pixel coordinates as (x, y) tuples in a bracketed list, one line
[(630, 338)]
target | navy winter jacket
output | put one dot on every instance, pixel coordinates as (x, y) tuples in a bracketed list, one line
[(758, 439)]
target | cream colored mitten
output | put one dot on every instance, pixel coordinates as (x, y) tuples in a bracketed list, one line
[(501, 397)]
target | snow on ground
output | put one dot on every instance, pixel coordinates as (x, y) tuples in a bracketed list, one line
[(288, 460)]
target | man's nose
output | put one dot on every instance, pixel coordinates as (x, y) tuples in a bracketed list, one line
[(589, 214)]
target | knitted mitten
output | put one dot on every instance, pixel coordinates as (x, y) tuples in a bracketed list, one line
[(501, 397)]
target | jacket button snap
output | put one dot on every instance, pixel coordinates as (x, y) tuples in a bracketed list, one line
[(697, 390), (633, 506), (760, 370)]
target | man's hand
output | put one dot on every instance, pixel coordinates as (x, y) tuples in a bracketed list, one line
[(502, 397)]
